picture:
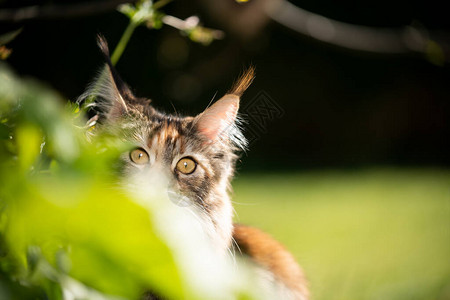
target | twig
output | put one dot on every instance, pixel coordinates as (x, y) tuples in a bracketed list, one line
[(355, 37), (190, 24), (123, 42), (58, 11)]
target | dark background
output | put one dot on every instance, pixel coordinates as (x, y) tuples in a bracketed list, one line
[(342, 108)]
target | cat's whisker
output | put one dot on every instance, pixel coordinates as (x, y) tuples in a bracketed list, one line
[(200, 198), (232, 255), (235, 213), (242, 203), (175, 110), (197, 119), (211, 101), (236, 244)]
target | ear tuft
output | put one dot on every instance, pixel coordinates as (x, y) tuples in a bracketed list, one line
[(244, 81), (111, 95), (103, 45), (220, 122), (122, 87)]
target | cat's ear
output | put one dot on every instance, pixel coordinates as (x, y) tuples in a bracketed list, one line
[(112, 95), (219, 120)]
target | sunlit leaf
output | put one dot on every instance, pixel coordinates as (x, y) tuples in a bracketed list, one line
[(28, 139), (67, 231), (9, 36)]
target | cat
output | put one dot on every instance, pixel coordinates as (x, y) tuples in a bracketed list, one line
[(198, 155)]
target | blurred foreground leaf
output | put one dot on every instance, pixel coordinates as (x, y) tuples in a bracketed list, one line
[(69, 232), (68, 229)]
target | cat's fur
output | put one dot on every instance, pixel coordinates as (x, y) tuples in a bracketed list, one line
[(212, 139)]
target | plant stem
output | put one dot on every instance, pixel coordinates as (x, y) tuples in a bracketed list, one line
[(160, 4), (123, 41)]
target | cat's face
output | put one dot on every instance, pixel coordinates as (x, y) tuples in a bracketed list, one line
[(173, 154), (191, 158)]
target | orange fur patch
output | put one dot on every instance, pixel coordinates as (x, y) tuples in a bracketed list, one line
[(271, 255), (243, 82)]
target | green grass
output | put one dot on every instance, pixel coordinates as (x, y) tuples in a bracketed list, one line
[(373, 234)]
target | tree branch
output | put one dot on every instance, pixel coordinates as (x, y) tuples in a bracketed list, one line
[(59, 11), (357, 37)]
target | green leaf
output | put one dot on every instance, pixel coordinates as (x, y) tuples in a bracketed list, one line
[(28, 139)]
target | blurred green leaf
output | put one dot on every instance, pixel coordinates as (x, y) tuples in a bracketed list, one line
[(66, 228), (108, 239), (434, 53), (5, 38), (29, 139)]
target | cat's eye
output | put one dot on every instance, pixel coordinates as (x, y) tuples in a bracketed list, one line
[(139, 156), (186, 165)]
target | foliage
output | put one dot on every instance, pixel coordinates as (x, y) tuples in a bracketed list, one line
[(48, 221), (67, 231), (147, 13)]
